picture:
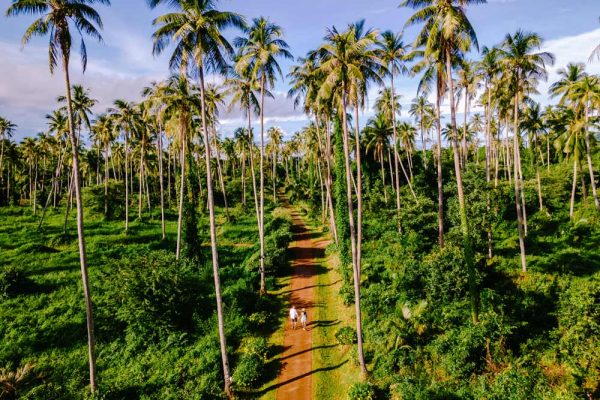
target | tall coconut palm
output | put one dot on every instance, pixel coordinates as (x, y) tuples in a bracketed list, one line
[(57, 18), (7, 129), (106, 136), (519, 56), (393, 53), (196, 30), (580, 91), (305, 81), (125, 120), (468, 81), (533, 124), (152, 95), (275, 135), (243, 88), (376, 135), (340, 61), (421, 110), (258, 52), (446, 36)]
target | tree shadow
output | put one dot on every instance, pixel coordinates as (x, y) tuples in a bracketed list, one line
[(280, 384)]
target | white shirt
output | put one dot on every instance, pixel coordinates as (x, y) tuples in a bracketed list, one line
[(293, 313)]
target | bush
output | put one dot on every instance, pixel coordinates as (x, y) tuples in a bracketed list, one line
[(346, 335), (157, 295), (361, 391), (12, 281), (248, 371), (113, 203)]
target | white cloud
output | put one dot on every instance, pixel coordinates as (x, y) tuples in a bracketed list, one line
[(570, 49)]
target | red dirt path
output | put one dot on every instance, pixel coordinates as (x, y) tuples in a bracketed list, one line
[(295, 382)]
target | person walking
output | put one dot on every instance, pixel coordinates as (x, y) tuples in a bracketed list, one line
[(293, 316), (303, 318)]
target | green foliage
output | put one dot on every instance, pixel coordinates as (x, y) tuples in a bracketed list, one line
[(113, 202), (12, 281), (248, 371), (346, 335), (361, 391), (156, 295)]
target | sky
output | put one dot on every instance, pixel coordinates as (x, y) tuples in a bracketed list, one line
[(123, 65)]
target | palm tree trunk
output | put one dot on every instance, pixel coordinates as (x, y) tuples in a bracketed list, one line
[(35, 179), (327, 178), (253, 171), (522, 190), (183, 137), (396, 157), (126, 184), (243, 177), (589, 159), (517, 186), (106, 176), (440, 187), (359, 198), (383, 175), (464, 138), (355, 268), (468, 251), (141, 180), (80, 231), (391, 169), (213, 245), (573, 189), (220, 174), (262, 183), (160, 180), (274, 176), (488, 116)]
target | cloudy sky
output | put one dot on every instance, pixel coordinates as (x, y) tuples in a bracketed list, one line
[(123, 64)]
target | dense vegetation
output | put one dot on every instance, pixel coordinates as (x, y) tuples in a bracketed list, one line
[(468, 251)]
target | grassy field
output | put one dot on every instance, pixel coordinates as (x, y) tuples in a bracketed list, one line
[(44, 323)]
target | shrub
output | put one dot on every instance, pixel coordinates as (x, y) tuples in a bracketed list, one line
[(12, 281), (114, 202), (156, 294), (248, 371), (346, 335), (361, 391)]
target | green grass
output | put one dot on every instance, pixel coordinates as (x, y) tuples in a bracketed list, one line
[(334, 363), (45, 324)]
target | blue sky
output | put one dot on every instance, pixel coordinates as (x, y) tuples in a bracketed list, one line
[(123, 65)]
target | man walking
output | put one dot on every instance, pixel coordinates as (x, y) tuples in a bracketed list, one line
[(293, 316)]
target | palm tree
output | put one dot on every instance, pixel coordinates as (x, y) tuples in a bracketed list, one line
[(406, 139), (258, 53), (580, 91), (533, 123), (519, 57), (56, 15), (468, 80), (7, 129), (152, 94), (125, 118), (242, 88), (421, 110), (105, 133), (275, 135), (376, 135), (393, 52), (306, 79), (445, 37), (341, 59), (196, 29)]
